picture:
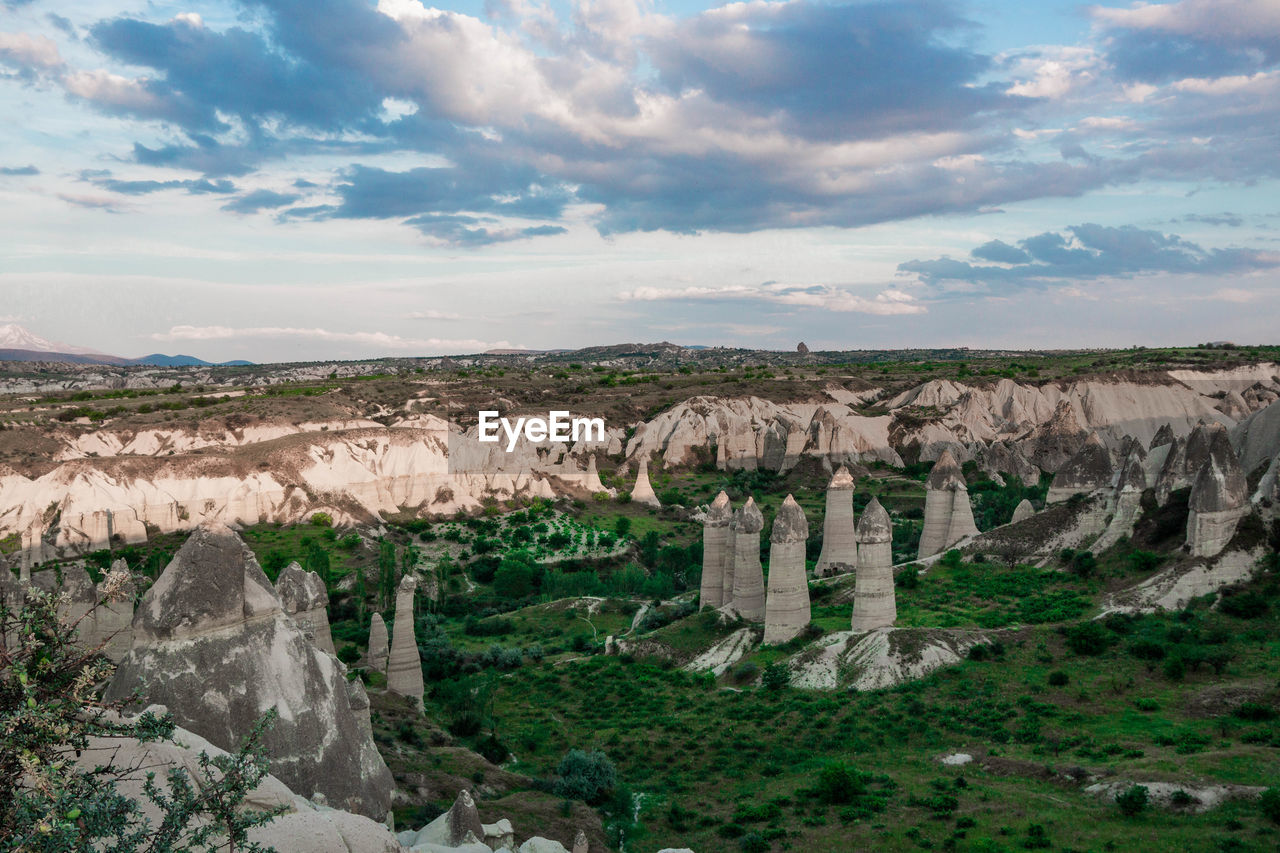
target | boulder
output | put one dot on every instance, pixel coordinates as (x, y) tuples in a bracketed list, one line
[(787, 604), (404, 665), (304, 597), (839, 541), (213, 643)]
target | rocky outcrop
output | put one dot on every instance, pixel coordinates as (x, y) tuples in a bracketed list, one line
[(729, 562), (77, 597), (787, 603), (839, 542), (1163, 436), (878, 659), (213, 643), (748, 574), (592, 479), (1127, 502), (379, 645), (1088, 470), (1257, 438), (948, 515), (1173, 588), (1001, 459), (642, 491), (1219, 499), (1233, 405), (304, 597), (1052, 443), (715, 548), (113, 617), (1023, 511), (404, 665), (874, 603)]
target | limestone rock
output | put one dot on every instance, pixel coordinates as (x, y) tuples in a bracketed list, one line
[(715, 532), (1087, 471), (1219, 499), (787, 604), (404, 665), (948, 515), (1023, 511), (748, 574), (379, 646), (642, 492), (304, 597), (212, 642), (874, 602), (839, 542)]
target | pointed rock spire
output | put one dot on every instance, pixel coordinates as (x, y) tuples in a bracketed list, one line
[(592, 478), (1023, 511), (715, 533), (404, 666), (1219, 498), (1087, 471), (787, 603), (379, 646), (874, 601), (304, 597), (948, 515), (839, 540), (642, 492), (748, 574), (580, 843)]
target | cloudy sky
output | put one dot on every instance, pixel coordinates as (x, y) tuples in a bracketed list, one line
[(306, 179)]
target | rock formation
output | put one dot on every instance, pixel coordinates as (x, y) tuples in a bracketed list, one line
[(1023, 511), (1055, 441), (379, 646), (213, 644), (593, 476), (580, 843), (1234, 406), (113, 618), (715, 532), (1219, 499), (787, 605), (1087, 471), (304, 597), (78, 597), (730, 563), (948, 515), (1128, 503), (1163, 436), (404, 666), (839, 542), (874, 603), (748, 574), (1001, 458), (642, 492)]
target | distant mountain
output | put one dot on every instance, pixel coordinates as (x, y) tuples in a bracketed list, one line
[(18, 344)]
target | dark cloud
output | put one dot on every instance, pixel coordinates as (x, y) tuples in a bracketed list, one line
[(19, 170), (198, 186), (260, 200), (1088, 251), (63, 24), (1229, 220), (471, 231), (498, 188), (1155, 57), (206, 155)]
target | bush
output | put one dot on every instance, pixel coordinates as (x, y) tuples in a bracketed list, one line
[(1058, 678), (1269, 802), (775, 677), (587, 776), (1175, 669), (322, 519), (839, 784), (753, 842), (1087, 638), (1244, 605), (1133, 801)]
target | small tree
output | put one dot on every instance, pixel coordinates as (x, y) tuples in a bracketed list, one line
[(1133, 801), (587, 776)]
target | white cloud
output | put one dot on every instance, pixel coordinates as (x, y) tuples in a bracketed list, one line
[(433, 314), (1225, 20), (28, 51), (824, 296), (373, 340)]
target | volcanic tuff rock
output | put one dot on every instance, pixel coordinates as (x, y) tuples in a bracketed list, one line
[(1022, 511), (1087, 471), (304, 597), (212, 642), (1001, 458), (874, 603), (404, 665), (787, 604), (1055, 441), (642, 491), (78, 598), (748, 574), (715, 532), (1219, 499), (113, 618), (948, 515), (379, 647), (1128, 503), (1257, 438), (839, 543), (729, 559)]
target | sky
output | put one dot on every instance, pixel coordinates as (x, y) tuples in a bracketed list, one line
[(280, 180)]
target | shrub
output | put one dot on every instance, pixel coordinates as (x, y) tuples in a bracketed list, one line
[(1175, 669), (1244, 605), (1270, 804), (775, 677), (1133, 801), (1058, 678), (1087, 638), (753, 842), (322, 519), (839, 784), (587, 776)]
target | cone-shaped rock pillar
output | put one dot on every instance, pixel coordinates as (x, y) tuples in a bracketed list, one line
[(874, 602), (304, 597), (715, 545), (948, 515), (730, 563), (1023, 511), (379, 645), (404, 666), (642, 492), (748, 574), (786, 610), (1087, 471), (592, 478), (839, 537), (1219, 499)]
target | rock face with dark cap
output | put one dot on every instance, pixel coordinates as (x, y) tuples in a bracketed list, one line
[(404, 666), (748, 574), (642, 492), (1023, 511), (948, 515), (1001, 458), (1219, 499), (715, 534), (1128, 502), (379, 645), (1056, 440), (874, 602), (1163, 436), (303, 596), (787, 605), (839, 539), (1087, 471), (213, 644)]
